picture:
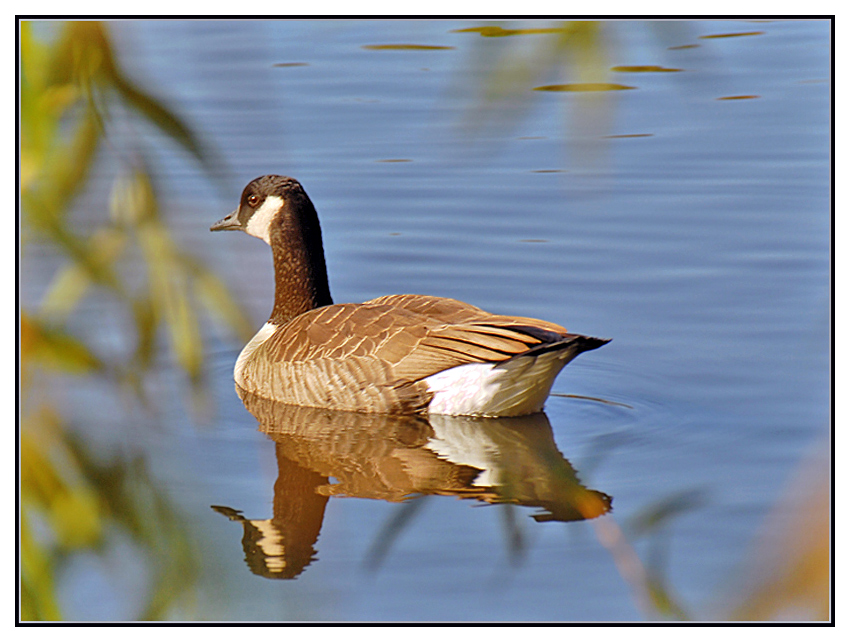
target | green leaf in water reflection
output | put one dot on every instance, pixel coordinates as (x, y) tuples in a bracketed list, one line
[(572, 57), (391, 530), (508, 74), (500, 32), (732, 35), (660, 513), (585, 86), (405, 47), (638, 69)]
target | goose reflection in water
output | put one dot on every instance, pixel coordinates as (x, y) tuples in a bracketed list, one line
[(394, 458)]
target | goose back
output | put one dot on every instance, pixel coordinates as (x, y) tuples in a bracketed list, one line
[(377, 356)]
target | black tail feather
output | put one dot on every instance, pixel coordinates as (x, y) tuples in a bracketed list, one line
[(577, 343)]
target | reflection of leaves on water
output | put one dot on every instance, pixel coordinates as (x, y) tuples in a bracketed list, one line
[(600, 448), (514, 534), (392, 529), (569, 57), (500, 32), (746, 97), (508, 73), (643, 69), (658, 514), (403, 47), (732, 35), (653, 522), (509, 76), (663, 600), (585, 86)]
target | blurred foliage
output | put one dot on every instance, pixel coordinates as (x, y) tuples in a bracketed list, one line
[(72, 92), (575, 50), (655, 522), (403, 47), (789, 574), (520, 66)]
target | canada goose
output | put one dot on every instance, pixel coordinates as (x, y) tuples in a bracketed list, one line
[(398, 354)]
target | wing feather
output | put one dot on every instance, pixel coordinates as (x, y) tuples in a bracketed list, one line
[(380, 351)]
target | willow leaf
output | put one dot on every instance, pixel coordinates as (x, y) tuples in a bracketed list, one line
[(70, 284), (214, 295), (55, 348), (38, 590), (165, 120), (144, 314)]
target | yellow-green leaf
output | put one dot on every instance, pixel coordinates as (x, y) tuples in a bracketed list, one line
[(585, 86), (55, 349), (216, 298)]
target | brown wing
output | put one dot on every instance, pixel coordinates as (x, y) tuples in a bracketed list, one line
[(423, 336), (373, 356), (432, 306), (454, 311)]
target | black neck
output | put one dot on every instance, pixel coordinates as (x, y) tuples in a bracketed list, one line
[(301, 278)]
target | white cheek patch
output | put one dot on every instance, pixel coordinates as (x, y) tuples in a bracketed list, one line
[(259, 223)]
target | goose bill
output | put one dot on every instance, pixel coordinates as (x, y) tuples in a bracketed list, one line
[(229, 222)]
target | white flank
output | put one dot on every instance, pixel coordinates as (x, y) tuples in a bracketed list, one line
[(259, 339), (515, 387), (258, 224)]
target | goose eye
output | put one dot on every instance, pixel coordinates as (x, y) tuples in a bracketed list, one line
[(253, 200)]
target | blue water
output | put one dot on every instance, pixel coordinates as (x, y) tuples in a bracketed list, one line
[(702, 247)]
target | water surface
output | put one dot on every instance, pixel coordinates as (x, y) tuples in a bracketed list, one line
[(692, 228)]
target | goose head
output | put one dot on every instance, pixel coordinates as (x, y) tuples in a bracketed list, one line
[(270, 204), (277, 210)]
